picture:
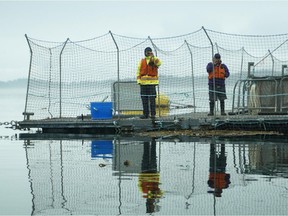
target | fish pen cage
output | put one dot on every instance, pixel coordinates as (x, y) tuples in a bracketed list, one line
[(67, 78)]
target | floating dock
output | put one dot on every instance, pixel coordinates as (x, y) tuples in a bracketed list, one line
[(133, 124)]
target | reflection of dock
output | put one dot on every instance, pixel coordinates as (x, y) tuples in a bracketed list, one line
[(101, 176), (120, 125)]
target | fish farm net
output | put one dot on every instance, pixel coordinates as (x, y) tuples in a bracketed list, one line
[(66, 77)]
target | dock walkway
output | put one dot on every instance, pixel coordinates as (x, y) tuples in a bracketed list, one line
[(132, 124)]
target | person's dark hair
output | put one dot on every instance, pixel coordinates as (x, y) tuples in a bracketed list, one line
[(147, 49), (217, 56)]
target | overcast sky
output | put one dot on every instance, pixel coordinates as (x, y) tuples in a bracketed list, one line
[(80, 20)]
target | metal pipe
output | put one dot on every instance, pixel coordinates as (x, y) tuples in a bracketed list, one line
[(118, 75), (242, 61), (158, 87), (154, 46), (29, 74), (192, 73), (212, 47), (60, 78), (272, 62)]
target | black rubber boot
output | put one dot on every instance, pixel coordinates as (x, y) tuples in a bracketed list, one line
[(222, 106), (211, 104)]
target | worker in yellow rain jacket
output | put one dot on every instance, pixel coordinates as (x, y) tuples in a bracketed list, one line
[(147, 78)]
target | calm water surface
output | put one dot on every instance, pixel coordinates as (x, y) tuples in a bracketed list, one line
[(134, 177), (129, 176)]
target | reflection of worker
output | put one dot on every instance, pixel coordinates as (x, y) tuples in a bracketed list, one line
[(149, 178), (147, 78), (218, 178)]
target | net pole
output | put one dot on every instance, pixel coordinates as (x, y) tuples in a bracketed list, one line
[(118, 76), (192, 75), (29, 75), (60, 78), (158, 86), (212, 49), (273, 62)]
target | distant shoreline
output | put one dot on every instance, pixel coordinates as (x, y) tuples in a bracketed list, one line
[(18, 83)]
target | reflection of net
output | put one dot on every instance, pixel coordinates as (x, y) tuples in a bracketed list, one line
[(64, 179), (66, 76)]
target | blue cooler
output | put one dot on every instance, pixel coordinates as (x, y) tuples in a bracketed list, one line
[(101, 110)]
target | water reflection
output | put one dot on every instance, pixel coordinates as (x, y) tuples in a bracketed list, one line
[(270, 160), (149, 178), (218, 178), (140, 159), (102, 149), (122, 176)]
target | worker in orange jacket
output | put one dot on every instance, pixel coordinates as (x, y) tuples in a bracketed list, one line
[(147, 78), (217, 74)]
